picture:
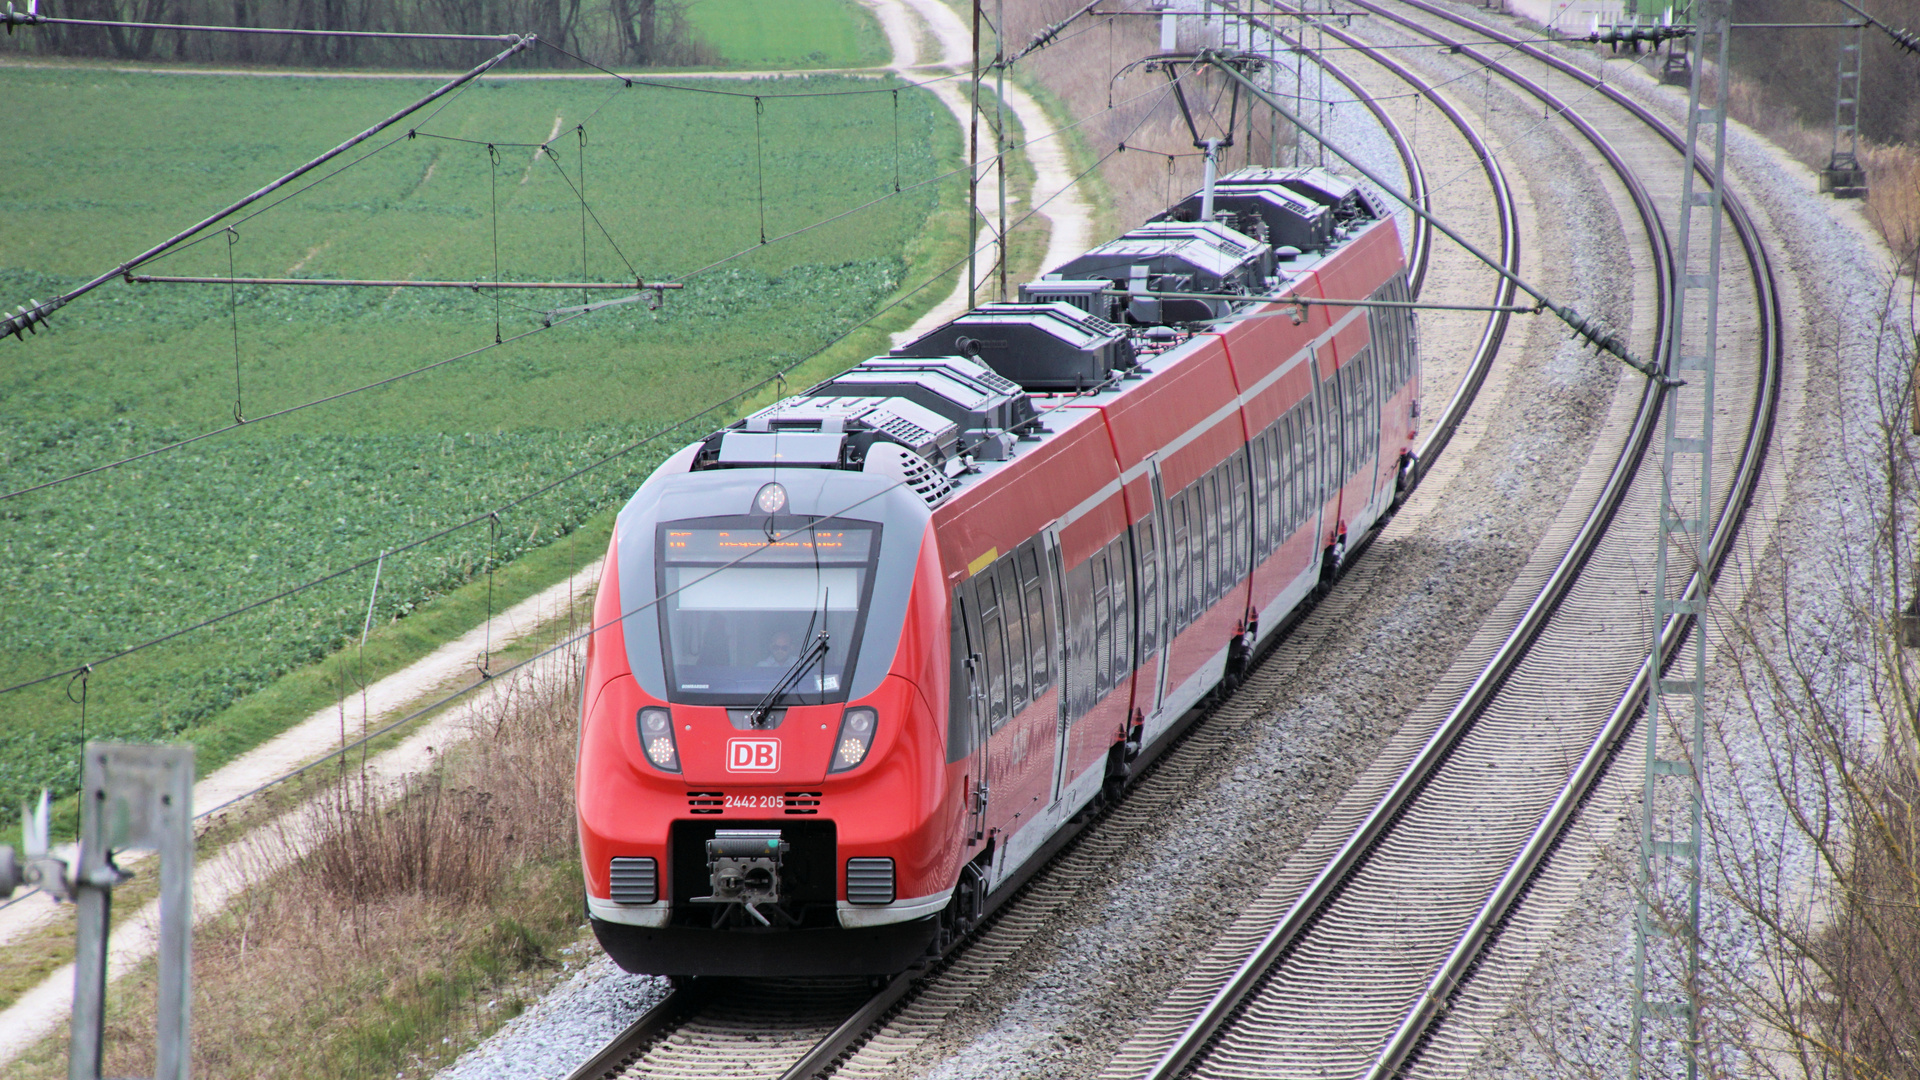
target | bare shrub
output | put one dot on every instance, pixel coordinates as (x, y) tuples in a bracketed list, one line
[(427, 838), (1820, 822), (453, 832), (421, 914), (1082, 69), (1893, 170)]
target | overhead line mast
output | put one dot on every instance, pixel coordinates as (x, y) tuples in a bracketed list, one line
[(1596, 334)]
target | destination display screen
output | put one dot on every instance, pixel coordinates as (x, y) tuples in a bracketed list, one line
[(839, 545)]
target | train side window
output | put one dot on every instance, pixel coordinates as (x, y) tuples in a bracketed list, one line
[(995, 651), (1350, 405), (1380, 323), (1148, 591), (1257, 457), (1102, 624), (1283, 467), (1016, 624), (1177, 573), (1276, 510), (1366, 446), (1296, 455), (1402, 323), (1079, 638), (1118, 567), (1212, 506), (1242, 516), (1310, 456), (1039, 621), (961, 721)]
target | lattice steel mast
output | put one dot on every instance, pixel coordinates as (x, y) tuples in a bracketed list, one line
[(1667, 919)]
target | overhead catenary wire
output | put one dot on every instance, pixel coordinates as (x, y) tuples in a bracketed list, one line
[(556, 314), (509, 504), (28, 317), (368, 737), (30, 17), (1599, 336), (585, 308), (555, 319), (777, 378)]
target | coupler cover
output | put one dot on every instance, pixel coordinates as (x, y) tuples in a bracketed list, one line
[(744, 867)]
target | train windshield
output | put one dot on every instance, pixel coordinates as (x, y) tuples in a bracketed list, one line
[(742, 601)]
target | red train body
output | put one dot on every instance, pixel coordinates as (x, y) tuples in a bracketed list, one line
[(863, 654)]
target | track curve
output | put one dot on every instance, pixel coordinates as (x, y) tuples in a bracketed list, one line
[(1348, 958)]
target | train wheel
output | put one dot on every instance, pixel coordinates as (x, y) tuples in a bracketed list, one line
[(965, 910), (1329, 567), (1403, 480)]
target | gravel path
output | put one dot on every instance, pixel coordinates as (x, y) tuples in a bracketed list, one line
[(221, 876), (575, 1019)]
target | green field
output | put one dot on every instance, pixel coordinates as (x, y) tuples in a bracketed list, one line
[(769, 34), (101, 563)]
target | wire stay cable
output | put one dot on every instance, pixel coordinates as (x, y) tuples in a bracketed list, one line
[(556, 319), (547, 314), (27, 318), (30, 17)]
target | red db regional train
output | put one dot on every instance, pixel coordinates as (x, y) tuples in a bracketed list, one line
[(862, 654)]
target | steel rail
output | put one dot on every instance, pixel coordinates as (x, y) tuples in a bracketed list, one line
[(855, 1030), (1496, 327), (1460, 718), (653, 1025), (683, 1004), (1485, 926)]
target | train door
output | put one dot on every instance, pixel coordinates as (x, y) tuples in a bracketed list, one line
[(1160, 604), (972, 671), (1056, 602), (1325, 482)]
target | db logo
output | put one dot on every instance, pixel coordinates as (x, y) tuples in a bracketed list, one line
[(753, 755)]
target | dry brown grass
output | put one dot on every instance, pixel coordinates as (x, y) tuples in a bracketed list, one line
[(1893, 171), (1078, 69), (417, 920), (1868, 1021)]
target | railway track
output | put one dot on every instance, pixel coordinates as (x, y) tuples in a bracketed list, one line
[(792, 1031), (1345, 972)]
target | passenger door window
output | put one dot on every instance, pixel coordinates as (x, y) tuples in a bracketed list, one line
[(1016, 624)]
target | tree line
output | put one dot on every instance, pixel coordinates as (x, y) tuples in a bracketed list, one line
[(615, 33)]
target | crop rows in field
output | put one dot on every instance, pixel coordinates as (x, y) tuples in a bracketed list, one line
[(113, 559)]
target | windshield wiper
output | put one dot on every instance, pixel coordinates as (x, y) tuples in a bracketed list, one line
[(815, 649)]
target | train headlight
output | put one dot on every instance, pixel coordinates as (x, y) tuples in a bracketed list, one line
[(656, 737), (771, 499), (856, 738)]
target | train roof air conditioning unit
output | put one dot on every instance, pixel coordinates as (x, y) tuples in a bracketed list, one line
[(1046, 347), (1349, 201), (832, 432), (964, 391), (1291, 219)]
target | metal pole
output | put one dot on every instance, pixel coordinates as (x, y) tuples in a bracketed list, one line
[(1843, 175), (1593, 333), (973, 172), (1000, 127), (1667, 915), (134, 797), (1206, 182)]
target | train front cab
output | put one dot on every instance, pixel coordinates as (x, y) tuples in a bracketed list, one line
[(864, 854)]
